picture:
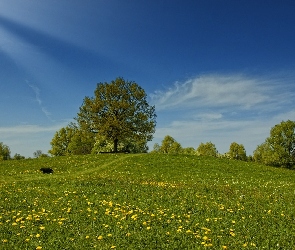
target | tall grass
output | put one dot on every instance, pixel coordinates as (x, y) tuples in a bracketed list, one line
[(145, 202)]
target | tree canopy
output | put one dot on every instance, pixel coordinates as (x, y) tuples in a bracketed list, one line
[(119, 111), (279, 148), (207, 149), (169, 146), (237, 151), (4, 152)]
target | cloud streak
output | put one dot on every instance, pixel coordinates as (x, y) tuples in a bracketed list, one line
[(218, 91), (39, 101), (224, 108)]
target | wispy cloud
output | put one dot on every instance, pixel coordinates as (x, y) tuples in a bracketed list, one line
[(220, 91), (39, 101), (28, 129), (224, 108)]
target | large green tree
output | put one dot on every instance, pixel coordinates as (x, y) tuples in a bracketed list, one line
[(279, 148), (119, 111)]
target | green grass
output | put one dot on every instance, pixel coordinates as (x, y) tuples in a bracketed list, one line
[(145, 202)]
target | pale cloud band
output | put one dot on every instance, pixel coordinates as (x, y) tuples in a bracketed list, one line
[(220, 91), (224, 108)]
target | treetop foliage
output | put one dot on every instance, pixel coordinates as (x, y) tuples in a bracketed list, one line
[(279, 148), (208, 149), (118, 117), (237, 151), (118, 110), (4, 152)]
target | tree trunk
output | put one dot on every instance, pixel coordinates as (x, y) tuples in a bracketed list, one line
[(116, 145)]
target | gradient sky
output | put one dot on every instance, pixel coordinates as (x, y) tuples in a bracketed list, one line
[(219, 71)]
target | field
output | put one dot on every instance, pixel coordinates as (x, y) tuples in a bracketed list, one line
[(145, 201)]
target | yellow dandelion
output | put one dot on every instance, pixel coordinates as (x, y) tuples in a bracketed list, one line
[(109, 235), (112, 247), (5, 240), (128, 234), (42, 227), (38, 248), (27, 240), (99, 237), (87, 236), (14, 224), (148, 228), (38, 235), (224, 247)]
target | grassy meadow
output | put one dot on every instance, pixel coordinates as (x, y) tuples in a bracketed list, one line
[(145, 201)]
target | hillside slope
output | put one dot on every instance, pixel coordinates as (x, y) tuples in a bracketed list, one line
[(145, 201)]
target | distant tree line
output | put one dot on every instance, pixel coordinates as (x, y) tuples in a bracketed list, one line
[(5, 154), (277, 150), (170, 146)]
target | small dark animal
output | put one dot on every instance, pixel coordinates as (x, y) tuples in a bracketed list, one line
[(47, 170)]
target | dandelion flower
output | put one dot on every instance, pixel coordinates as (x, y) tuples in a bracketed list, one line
[(112, 247), (37, 235), (99, 237), (38, 248), (87, 236)]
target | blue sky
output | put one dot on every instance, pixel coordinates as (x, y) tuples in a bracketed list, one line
[(219, 71)]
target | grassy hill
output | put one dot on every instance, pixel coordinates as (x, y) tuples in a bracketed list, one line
[(145, 201)]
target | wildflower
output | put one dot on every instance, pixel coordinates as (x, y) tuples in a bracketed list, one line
[(112, 247), (232, 233), (42, 227), (38, 248), (148, 228), (128, 234), (87, 236), (5, 240), (27, 240), (99, 237), (37, 235), (224, 247), (109, 235)]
